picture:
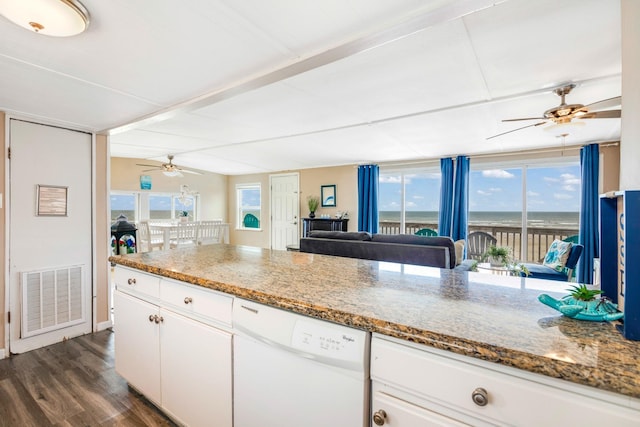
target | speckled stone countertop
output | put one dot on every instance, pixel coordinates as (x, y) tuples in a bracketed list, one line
[(490, 317)]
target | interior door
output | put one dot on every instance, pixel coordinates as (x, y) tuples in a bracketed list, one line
[(50, 234), (285, 210)]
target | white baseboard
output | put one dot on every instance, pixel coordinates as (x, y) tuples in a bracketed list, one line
[(2, 353), (103, 325)]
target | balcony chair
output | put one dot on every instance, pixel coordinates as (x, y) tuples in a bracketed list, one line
[(426, 232), (541, 271), (251, 221), (478, 243), (572, 239)]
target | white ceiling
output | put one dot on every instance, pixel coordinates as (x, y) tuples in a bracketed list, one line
[(255, 86)]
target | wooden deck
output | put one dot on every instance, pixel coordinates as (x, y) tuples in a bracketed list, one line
[(538, 238)]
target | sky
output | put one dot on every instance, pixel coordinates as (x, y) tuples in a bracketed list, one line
[(549, 189)]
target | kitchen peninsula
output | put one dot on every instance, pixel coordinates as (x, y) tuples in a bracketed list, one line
[(491, 318)]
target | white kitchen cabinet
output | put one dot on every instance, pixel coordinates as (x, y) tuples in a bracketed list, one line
[(418, 386), (137, 344), (177, 358)]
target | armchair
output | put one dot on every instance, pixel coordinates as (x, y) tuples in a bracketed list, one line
[(540, 271)]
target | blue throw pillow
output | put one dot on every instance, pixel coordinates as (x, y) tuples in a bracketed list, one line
[(557, 255)]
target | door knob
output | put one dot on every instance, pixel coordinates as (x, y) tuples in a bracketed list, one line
[(379, 417)]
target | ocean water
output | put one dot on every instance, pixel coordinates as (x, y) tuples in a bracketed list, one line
[(537, 219)]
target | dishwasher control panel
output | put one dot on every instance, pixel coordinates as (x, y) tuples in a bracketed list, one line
[(324, 340), (311, 338)]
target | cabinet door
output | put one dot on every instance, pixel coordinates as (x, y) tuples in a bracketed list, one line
[(137, 344), (392, 412), (196, 371)]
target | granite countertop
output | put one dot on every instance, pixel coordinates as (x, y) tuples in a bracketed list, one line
[(490, 317)]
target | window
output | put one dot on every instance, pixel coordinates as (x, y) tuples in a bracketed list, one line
[(248, 201), (160, 206), (185, 203), (525, 207), (138, 206), (408, 201), (125, 204)]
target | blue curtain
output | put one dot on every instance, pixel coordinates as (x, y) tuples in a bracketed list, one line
[(588, 234), (368, 198), (446, 197), (460, 199)]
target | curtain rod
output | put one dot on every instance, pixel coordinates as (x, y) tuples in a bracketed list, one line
[(489, 155)]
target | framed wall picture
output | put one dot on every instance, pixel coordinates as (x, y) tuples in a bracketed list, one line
[(51, 200), (145, 182), (328, 196)]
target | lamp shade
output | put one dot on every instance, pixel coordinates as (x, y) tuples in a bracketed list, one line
[(60, 18)]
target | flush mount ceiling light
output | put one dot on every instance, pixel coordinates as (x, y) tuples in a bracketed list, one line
[(59, 18)]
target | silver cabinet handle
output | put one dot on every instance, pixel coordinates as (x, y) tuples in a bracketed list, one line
[(188, 300), (158, 319), (131, 281), (151, 318), (379, 417), (480, 396)]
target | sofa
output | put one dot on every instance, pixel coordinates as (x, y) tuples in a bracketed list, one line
[(403, 248)]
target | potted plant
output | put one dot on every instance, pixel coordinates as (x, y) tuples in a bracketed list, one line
[(313, 202), (184, 216), (498, 256), (582, 303)]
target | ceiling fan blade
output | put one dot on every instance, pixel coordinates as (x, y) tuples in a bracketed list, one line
[(607, 114), (524, 118), (188, 171), (151, 170), (513, 130), (151, 166), (605, 103)]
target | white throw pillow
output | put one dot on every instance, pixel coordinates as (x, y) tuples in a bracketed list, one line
[(459, 246), (557, 255)]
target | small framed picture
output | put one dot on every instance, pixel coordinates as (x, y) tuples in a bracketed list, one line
[(328, 196), (51, 200), (145, 182)]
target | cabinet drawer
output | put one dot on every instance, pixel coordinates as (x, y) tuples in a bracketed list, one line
[(127, 279), (450, 382), (400, 413), (193, 300)]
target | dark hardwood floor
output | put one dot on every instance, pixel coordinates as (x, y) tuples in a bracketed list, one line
[(72, 383)]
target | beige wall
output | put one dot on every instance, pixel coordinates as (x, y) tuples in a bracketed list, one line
[(103, 233), (346, 180), (630, 139), (344, 177), (212, 187), (3, 240)]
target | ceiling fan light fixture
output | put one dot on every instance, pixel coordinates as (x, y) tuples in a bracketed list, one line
[(564, 127), (172, 173), (58, 18)]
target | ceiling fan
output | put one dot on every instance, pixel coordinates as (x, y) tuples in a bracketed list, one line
[(169, 169), (565, 113)]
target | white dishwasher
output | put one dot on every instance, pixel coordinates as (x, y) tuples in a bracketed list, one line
[(291, 370)]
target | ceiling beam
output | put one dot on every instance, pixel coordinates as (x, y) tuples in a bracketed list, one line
[(451, 11)]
